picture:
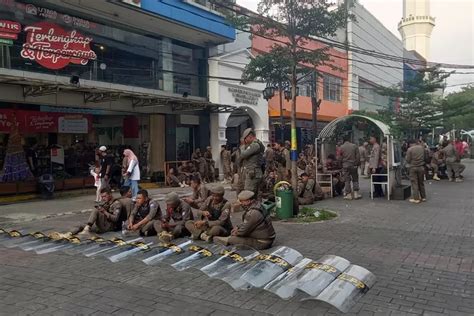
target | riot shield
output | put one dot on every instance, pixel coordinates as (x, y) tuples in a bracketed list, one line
[(232, 265), (285, 284), (115, 243), (12, 236), (171, 250), (19, 239), (87, 244), (131, 249), (349, 286), (317, 275), (201, 256), (267, 267), (58, 243)]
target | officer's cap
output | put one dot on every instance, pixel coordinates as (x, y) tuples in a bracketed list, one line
[(245, 195), (172, 198), (247, 132), (218, 190)]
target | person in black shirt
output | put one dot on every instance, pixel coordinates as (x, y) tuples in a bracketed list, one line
[(106, 163), (32, 159)]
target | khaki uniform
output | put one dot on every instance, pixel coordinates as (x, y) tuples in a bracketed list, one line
[(150, 210), (306, 192), (226, 164), (251, 159), (318, 192), (453, 162), (363, 159), (127, 207), (374, 163), (350, 157), (218, 224), (180, 215), (256, 230), (210, 166), (199, 196), (415, 157), (110, 220), (436, 161)]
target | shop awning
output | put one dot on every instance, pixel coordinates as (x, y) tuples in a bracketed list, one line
[(36, 85)]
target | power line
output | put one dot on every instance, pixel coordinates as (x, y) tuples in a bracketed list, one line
[(345, 46)]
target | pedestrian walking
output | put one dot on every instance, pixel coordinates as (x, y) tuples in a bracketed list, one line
[(106, 162), (133, 171), (415, 159)]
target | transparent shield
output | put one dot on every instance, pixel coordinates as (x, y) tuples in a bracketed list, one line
[(317, 275), (349, 286), (131, 250), (266, 267), (285, 285), (170, 250), (201, 257), (116, 243)]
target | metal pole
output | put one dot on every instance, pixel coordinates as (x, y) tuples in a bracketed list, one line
[(282, 123)]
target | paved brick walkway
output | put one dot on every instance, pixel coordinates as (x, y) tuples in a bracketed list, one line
[(422, 255)]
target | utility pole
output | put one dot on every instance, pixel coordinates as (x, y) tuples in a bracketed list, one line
[(282, 120)]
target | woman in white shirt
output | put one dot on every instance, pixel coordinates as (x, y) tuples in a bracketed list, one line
[(133, 171)]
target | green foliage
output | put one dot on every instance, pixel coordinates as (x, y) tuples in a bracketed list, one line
[(307, 215), (458, 109), (420, 104), (293, 23)]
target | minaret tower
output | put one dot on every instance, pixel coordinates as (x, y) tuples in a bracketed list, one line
[(416, 26)]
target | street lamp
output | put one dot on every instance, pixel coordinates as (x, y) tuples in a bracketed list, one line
[(288, 95), (268, 92)]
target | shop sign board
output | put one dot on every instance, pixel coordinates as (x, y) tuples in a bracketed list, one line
[(32, 122), (54, 48), (57, 154), (73, 124), (9, 29), (245, 96)]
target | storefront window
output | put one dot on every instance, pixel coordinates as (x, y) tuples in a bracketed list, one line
[(44, 40), (332, 88)]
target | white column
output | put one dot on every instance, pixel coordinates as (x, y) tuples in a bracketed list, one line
[(218, 139), (167, 50), (263, 134)]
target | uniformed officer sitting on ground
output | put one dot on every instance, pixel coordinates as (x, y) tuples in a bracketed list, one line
[(305, 190), (106, 217), (214, 217), (256, 230), (173, 223), (145, 215)]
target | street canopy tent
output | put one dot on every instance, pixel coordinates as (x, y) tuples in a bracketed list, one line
[(360, 128)]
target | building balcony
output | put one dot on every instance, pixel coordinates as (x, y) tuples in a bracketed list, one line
[(416, 19)]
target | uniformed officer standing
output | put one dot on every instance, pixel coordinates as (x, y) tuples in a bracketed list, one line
[(214, 217), (453, 162), (305, 190), (415, 158), (256, 230), (144, 215), (375, 166), (363, 158), (226, 163), (177, 211), (251, 160), (350, 158)]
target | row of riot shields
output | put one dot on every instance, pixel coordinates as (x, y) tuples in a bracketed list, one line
[(281, 270)]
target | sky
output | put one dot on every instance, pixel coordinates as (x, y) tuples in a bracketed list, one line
[(452, 40)]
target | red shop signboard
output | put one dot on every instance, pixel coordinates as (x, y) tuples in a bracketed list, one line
[(32, 122), (9, 29), (54, 48)]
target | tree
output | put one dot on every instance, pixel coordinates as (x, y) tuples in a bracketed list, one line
[(291, 24), (420, 103), (458, 109)]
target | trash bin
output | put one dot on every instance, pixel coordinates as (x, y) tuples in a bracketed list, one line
[(284, 200)]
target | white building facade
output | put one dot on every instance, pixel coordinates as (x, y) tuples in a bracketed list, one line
[(366, 72), (251, 109)]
